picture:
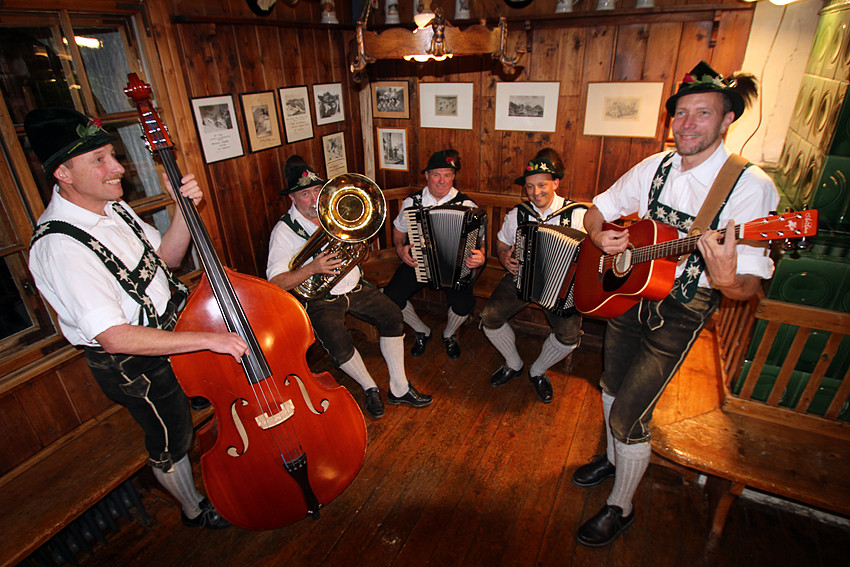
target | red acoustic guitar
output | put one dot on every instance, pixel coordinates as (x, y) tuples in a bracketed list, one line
[(609, 284)]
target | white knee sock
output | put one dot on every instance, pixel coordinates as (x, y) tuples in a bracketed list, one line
[(355, 368), (632, 461), (412, 319), (607, 402), (393, 350), (552, 352), (453, 323), (180, 483), (504, 340)]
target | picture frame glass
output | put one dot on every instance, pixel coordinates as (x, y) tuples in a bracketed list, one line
[(446, 105), (527, 107), (328, 101), (261, 122), (392, 149), (295, 109), (333, 147), (390, 99), (217, 126), (628, 109)]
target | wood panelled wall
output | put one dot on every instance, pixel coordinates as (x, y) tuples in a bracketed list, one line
[(223, 48)]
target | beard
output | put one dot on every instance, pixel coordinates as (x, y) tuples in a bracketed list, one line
[(695, 146)]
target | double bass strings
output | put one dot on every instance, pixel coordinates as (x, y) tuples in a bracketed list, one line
[(253, 363)]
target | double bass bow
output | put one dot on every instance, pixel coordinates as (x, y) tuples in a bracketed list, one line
[(287, 441)]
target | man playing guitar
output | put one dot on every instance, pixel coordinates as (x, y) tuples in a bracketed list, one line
[(645, 345)]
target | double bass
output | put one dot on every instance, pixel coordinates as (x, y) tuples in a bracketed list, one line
[(287, 441)]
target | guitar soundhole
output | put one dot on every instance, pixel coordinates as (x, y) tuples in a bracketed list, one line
[(623, 263)]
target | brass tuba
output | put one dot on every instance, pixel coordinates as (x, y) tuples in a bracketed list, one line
[(351, 209)]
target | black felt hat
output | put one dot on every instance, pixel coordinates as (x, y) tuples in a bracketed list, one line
[(704, 79), (442, 159), (301, 177), (58, 134), (539, 165)]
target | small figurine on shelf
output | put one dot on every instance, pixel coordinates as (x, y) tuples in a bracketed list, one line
[(392, 12), (329, 12), (462, 10)]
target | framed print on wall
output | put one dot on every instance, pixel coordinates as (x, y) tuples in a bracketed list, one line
[(295, 107), (215, 119), (623, 109), (527, 107), (261, 124), (328, 100), (392, 149), (390, 99), (445, 105), (333, 146)]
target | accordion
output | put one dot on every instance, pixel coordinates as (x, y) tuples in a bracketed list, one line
[(547, 262), (441, 238)]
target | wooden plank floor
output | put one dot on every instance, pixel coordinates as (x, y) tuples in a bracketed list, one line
[(482, 478)]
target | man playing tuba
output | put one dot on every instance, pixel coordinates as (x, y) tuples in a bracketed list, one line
[(351, 294)]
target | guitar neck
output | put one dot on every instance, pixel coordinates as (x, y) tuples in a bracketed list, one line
[(670, 248)]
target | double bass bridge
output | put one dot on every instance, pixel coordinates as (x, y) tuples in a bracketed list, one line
[(266, 421)]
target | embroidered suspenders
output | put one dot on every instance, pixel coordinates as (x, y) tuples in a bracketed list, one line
[(134, 282)]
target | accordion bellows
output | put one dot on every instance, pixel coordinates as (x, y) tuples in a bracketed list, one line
[(441, 238), (547, 262)]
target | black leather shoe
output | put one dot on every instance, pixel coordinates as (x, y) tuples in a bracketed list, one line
[(198, 403), (504, 375), (593, 473), (374, 405), (452, 347), (604, 527), (543, 387), (412, 397), (208, 518), (420, 341)]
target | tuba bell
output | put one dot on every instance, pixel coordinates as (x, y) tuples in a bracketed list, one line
[(351, 210)]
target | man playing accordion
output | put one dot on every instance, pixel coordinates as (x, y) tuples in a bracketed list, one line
[(541, 180), (440, 176)]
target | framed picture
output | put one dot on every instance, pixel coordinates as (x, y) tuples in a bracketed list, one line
[(328, 100), (215, 119), (390, 100), (623, 109), (445, 105), (260, 114), (295, 107), (392, 149), (333, 146), (527, 107)]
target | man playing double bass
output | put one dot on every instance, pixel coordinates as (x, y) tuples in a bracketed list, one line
[(351, 294), (106, 273)]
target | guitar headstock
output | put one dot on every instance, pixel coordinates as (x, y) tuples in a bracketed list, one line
[(793, 224), (154, 131)]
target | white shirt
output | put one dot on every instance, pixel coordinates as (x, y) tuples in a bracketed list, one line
[(83, 292), (428, 201), (285, 244), (754, 197), (507, 234)]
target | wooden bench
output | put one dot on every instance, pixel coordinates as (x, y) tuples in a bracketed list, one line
[(746, 424), (51, 489)]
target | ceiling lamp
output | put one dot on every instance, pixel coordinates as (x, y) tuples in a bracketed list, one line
[(434, 38)]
